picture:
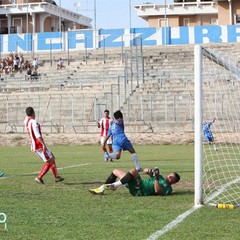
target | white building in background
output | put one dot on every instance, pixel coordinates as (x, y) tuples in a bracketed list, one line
[(33, 16), (190, 13)]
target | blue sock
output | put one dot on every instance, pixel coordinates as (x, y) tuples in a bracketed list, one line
[(112, 155)]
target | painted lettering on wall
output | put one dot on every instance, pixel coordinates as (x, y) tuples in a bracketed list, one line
[(108, 38)]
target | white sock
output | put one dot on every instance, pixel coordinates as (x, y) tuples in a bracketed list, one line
[(101, 187), (117, 184), (135, 160), (214, 146)]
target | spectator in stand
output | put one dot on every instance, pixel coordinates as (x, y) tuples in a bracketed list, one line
[(29, 71), (15, 64), (35, 64), (60, 63), (21, 62), (27, 64)]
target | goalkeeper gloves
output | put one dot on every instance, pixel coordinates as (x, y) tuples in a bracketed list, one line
[(154, 173)]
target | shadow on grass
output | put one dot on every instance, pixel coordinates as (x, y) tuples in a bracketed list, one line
[(83, 183)]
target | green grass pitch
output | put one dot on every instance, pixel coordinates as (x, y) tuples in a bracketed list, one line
[(68, 211)]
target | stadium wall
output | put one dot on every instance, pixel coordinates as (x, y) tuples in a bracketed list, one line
[(106, 38)]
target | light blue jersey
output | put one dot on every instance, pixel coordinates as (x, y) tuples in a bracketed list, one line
[(120, 140), (207, 131)]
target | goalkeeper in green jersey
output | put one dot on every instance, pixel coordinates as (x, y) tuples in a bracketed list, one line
[(156, 184)]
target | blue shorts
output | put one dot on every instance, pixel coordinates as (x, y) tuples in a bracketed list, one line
[(209, 138), (121, 144)]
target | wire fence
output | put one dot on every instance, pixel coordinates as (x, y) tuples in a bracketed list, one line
[(152, 99)]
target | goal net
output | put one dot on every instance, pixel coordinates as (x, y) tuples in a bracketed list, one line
[(218, 181)]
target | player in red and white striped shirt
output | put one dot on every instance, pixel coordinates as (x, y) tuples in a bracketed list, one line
[(39, 147), (104, 124)]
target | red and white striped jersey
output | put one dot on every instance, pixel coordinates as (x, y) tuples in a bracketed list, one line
[(105, 124), (34, 131)]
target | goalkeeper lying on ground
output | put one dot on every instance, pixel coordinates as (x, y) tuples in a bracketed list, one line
[(155, 185)]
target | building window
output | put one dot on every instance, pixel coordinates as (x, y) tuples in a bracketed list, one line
[(161, 22), (214, 21), (237, 19), (186, 22)]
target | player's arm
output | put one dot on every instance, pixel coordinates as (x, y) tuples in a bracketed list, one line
[(107, 137), (157, 187), (38, 135), (148, 171), (118, 121), (214, 120), (99, 123), (40, 139)]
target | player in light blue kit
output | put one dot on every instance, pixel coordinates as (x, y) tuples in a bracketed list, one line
[(207, 133), (120, 141)]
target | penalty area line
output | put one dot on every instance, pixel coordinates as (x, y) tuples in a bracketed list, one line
[(32, 173), (61, 168), (174, 223)]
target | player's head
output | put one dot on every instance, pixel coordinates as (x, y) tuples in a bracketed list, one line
[(106, 113), (173, 178), (30, 112), (118, 114)]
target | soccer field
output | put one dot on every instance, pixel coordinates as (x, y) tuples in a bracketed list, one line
[(68, 211)]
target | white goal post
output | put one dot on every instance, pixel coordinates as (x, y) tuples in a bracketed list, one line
[(217, 96)]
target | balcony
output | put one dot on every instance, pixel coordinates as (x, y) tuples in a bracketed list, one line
[(180, 8)]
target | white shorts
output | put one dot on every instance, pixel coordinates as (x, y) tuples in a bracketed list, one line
[(45, 156), (109, 141)]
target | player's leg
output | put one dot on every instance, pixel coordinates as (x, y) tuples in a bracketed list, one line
[(211, 139), (104, 149), (116, 154), (53, 167), (49, 160), (128, 146), (116, 173), (124, 178), (214, 145), (136, 186), (110, 183), (1, 174), (109, 143), (45, 168), (110, 150)]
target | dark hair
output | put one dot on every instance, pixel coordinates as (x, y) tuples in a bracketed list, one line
[(177, 177), (118, 114), (106, 111), (29, 111)]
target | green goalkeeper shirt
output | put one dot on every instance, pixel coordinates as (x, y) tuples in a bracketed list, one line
[(145, 187)]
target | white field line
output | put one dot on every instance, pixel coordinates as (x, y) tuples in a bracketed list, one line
[(73, 166), (221, 190), (174, 223)]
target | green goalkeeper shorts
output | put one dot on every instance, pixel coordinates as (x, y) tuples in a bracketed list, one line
[(135, 187)]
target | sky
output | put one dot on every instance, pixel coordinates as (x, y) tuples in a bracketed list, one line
[(110, 14)]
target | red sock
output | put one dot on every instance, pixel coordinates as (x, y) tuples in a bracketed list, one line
[(44, 170), (54, 170), (104, 149), (110, 149)]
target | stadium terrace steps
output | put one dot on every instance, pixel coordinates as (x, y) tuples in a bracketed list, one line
[(75, 96)]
